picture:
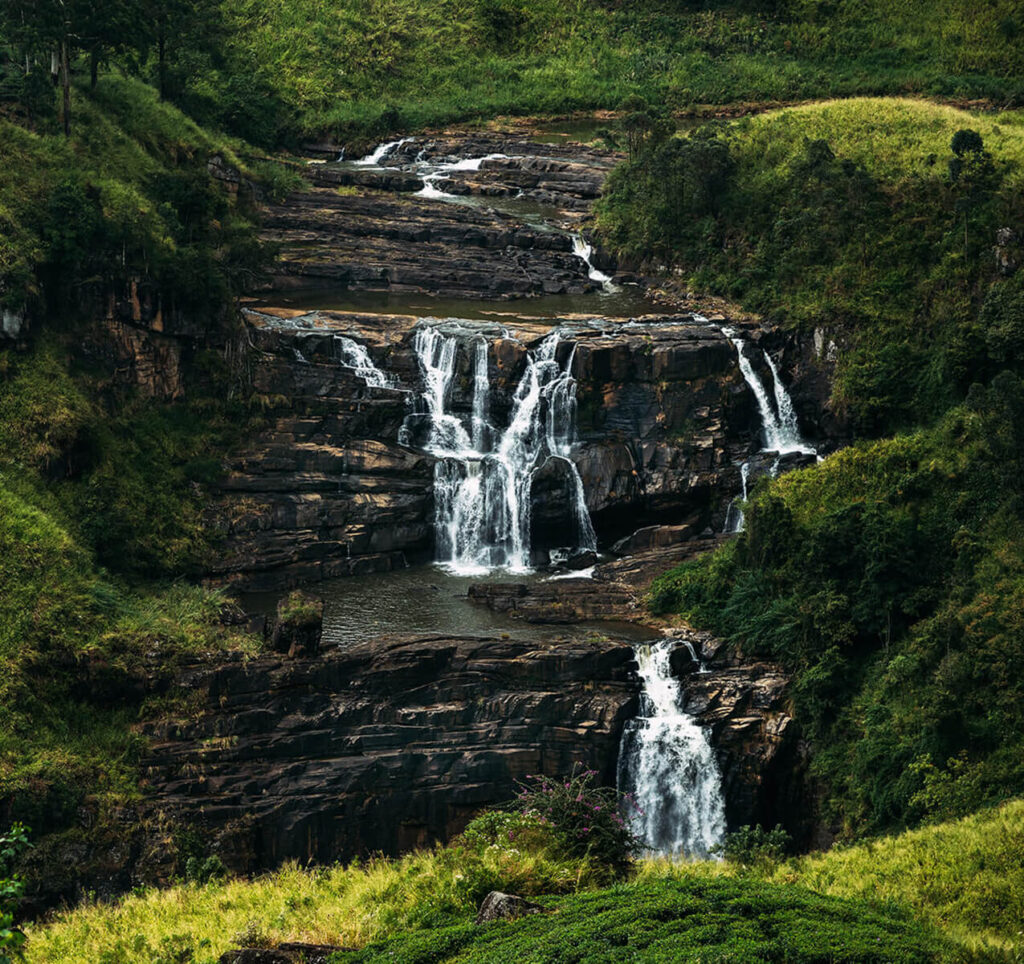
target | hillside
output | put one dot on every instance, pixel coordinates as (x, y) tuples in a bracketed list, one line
[(688, 459), (372, 68), (924, 895)]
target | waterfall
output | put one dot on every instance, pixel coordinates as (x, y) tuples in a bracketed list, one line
[(734, 514), (584, 252), (355, 356), (484, 474), (437, 173), (667, 763), (380, 152), (781, 431)]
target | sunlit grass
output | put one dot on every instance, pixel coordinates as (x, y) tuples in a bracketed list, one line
[(966, 877), (346, 906)]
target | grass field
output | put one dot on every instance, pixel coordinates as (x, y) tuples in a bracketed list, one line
[(962, 879)]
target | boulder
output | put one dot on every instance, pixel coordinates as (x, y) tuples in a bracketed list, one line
[(499, 906)]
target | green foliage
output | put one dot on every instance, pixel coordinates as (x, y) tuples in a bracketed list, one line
[(128, 200), (371, 69), (12, 939), (199, 870), (839, 215), (686, 920), (888, 581), (299, 608), (498, 828), (72, 639), (585, 819), (755, 846)]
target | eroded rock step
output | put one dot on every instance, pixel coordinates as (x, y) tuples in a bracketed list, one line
[(327, 490), (384, 746), (366, 228)]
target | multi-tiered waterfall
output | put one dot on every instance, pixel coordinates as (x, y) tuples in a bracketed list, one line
[(668, 765), (484, 474)]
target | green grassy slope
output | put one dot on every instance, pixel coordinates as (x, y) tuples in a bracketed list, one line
[(876, 901), (101, 490), (362, 68), (843, 215)]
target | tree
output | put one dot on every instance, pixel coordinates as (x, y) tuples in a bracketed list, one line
[(973, 174), (181, 34), (57, 30)]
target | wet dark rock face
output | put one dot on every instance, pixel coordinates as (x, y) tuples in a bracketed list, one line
[(388, 238), (663, 419), (746, 706), (383, 747)]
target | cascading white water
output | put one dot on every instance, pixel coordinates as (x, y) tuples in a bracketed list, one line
[(667, 764), (436, 173), (584, 252), (355, 356), (781, 431), (484, 475), (380, 152), (734, 514)]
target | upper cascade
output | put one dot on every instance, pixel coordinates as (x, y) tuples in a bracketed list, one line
[(781, 430), (484, 474), (585, 251)]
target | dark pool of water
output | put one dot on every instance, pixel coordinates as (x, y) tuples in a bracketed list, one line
[(426, 599), (628, 301)]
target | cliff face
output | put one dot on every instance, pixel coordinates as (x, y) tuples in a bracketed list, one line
[(382, 747), (328, 490)]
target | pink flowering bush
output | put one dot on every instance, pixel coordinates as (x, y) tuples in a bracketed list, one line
[(586, 819)]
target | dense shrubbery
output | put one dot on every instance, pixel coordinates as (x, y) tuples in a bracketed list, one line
[(755, 846), (875, 219), (889, 581), (12, 938), (585, 820)]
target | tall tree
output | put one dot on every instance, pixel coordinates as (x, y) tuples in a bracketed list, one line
[(180, 34), (58, 30)]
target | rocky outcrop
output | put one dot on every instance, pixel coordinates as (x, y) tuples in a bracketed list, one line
[(565, 600), (327, 490), (298, 627), (747, 708), (402, 243), (499, 906), (367, 228), (383, 747)]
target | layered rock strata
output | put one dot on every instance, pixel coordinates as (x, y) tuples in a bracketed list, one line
[(383, 747), (327, 490)]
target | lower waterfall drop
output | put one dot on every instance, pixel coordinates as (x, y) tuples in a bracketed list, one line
[(668, 765), (484, 474)]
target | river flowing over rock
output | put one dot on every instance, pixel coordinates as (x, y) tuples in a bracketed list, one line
[(416, 414)]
